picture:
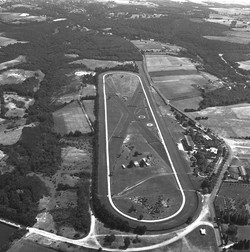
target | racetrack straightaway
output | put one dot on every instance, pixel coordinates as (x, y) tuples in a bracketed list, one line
[(166, 223)]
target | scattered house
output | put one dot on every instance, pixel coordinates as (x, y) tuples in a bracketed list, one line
[(214, 150), (144, 162), (123, 166), (136, 164), (207, 137), (203, 231)]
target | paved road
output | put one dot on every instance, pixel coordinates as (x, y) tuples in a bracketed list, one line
[(191, 207)]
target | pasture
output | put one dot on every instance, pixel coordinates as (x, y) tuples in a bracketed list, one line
[(92, 64), (227, 121), (70, 119)]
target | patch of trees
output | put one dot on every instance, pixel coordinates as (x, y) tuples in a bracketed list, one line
[(224, 96), (190, 110), (201, 118), (24, 89), (241, 245), (19, 196), (16, 235), (235, 217)]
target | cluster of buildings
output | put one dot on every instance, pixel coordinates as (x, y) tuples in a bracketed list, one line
[(144, 162)]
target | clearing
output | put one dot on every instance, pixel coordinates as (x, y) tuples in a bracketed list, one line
[(92, 64), (16, 105), (71, 118), (20, 59), (63, 185), (157, 63)]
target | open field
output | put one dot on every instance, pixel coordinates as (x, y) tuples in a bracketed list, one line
[(20, 59), (92, 64), (18, 18), (148, 45), (177, 89), (244, 65), (16, 105), (76, 162), (122, 84), (168, 63), (227, 121), (70, 119), (4, 41), (230, 39), (134, 148), (177, 77), (156, 198), (10, 133)]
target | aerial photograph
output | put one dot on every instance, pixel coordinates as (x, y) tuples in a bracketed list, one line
[(124, 125)]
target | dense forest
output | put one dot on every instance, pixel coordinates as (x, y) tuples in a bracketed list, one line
[(39, 148)]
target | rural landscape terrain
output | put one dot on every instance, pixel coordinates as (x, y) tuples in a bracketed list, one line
[(124, 125)]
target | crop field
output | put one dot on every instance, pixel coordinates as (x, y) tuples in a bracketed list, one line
[(177, 77), (234, 197), (92, 64), (20, 59), (157, 63), (89, 106), (227, 121), (190, 103), (177, 89), (70, 119)]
